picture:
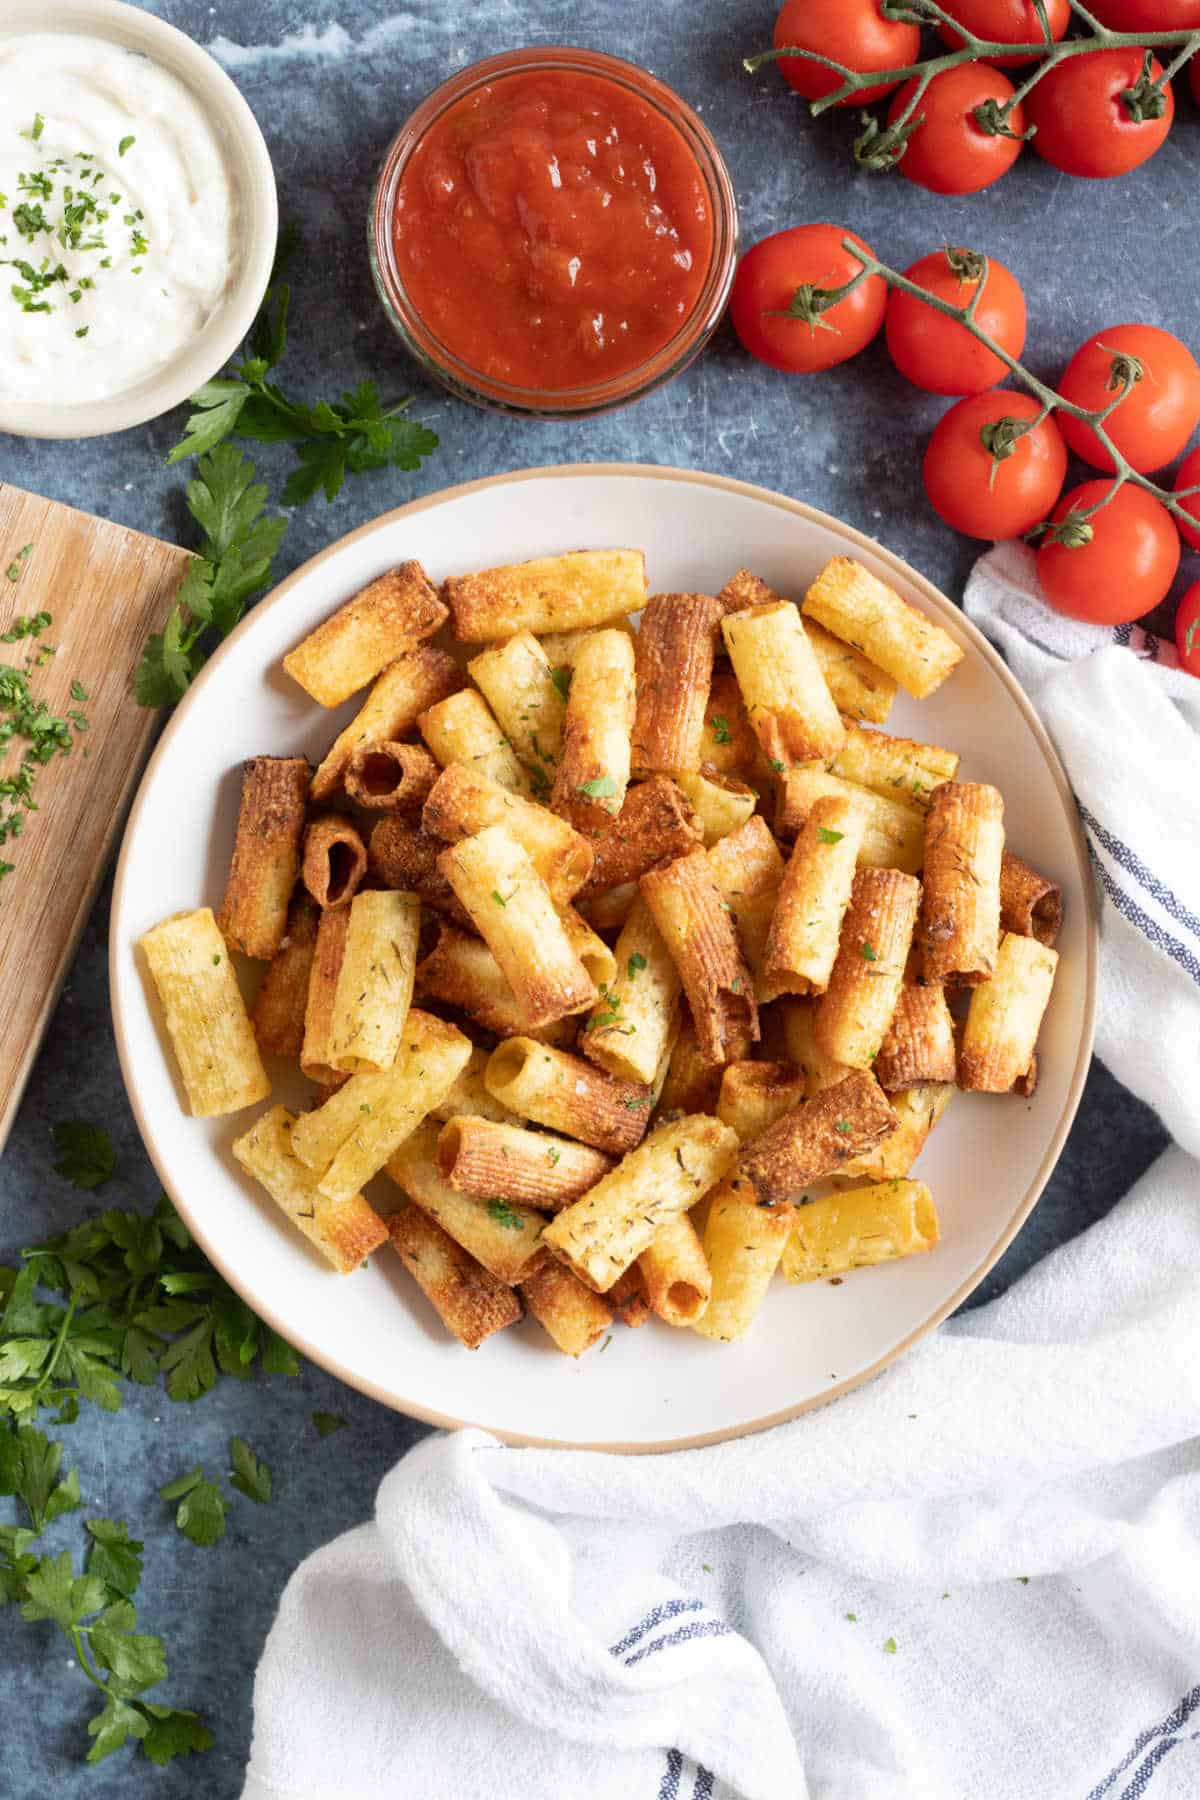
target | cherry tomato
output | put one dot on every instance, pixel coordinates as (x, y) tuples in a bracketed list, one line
[(1005, 22), (1189, 476), (1187, 630), (1160, 410), (950, 153), (1127, 567), (940, 355), (850, 32), (767, 280), (1084, 127), (1148, 15), (985, 497)]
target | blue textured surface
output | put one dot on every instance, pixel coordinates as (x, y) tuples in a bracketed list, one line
[(330, 84)]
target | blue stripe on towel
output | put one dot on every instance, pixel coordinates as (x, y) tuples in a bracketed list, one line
[(704, 1784), (669, 1790), (1162, 940), (696, 1628), (1169, 1725), (1132, 863), (670, 1609)]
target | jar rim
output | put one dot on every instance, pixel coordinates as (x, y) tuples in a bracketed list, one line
[(593, 397)]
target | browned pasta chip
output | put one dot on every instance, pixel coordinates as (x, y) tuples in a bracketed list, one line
[(1030, 904), (460, 971), (806, 922), (461, 729), (470, 1302), (329, 953), (499, 1233), (748, 867), (855, 605), (674, 672), (859, 687), (655, 825), (389, 777), (344, 1231), (919, 1043), (566, 1094), (786, 695), (693, 1079), (855, 1010), (675, 1274), (1000, 1036), (727, 741), (266, 854), (743, 1243), (464, 801), (917, 1111), (593, 772), (960, 909), (401, 855), (815, 1139), (415, 681), (627, 1297), (583, 589), (860, 1228), (481, 1156), (899, 768), (335, 861), (387, 618), (756, 1094), (573, 1315), (278, 1015), (696, 927)]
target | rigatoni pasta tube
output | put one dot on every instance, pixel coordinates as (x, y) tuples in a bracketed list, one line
[(461, 971), (626, 1296), (854, 604), (790, 707), (401, 855), (584, 588), (815, 1139), (348, 1139), (629, 1031), (1005, 1016), (859, 1228), (919, 1043), (470, 1303), (895, 833), (743, 1243), (517, 681), (460, 729), (687, 908), (317, 1046), (727, 740), (896, 767), (855, 1010), (206, 1016), (387, 618), (282, 998), (515, 915), (747, 867), (479, 1156), (344, 1231), (820, 1071), (600, 1235), (674, 656), (860, 689), (806, 925), (335, 860), (960, 908), (593, 774), (416, 680), (693, 1079), (469, 1096), (655, 825), (721, 803), (756, 1094), (375, 982), (1030, 904), (591, 949), (266, 854), (566, 1094), (674, 1272), (390, 777), (503, 1236), (464, 800), (572, 1315), (917, 1111)]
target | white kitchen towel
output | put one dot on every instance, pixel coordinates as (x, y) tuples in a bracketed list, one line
[(976, 1578)]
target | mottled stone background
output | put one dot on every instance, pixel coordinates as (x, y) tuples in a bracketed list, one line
[(330, 84)]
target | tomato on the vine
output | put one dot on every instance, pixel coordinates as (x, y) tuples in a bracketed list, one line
[(1086, 124), (851, 32), (1148, 15), (937, 353), (985, 480), (1161, 406), (1189, 476), (1127, 565), (777, 288), (1004, 22), (950, 152), (1187, 630)]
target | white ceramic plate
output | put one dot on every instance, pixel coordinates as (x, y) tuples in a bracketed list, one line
[(653, 1388)]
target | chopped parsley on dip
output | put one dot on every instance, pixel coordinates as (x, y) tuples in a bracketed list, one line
[(118, 218)]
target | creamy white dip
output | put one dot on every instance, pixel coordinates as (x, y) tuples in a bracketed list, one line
[(117, 200)]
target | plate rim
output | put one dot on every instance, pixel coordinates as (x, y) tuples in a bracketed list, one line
[(942, 606)]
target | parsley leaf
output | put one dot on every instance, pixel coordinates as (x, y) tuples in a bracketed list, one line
[(250, 1476), (637, 961), (200, 1515), (85, 1154), (825, 836), (890, 1647), (561, 677), (720, 729), (327, 1423), (115, 1557), (843, 1127), (601, 787), (867, 952), (504, 1216)]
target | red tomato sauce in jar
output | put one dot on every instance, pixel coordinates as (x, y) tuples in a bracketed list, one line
[(553, 230)]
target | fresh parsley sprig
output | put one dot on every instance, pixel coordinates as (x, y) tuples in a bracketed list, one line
[(350, 435)]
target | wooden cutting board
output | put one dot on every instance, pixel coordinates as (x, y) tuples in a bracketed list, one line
[(105, 588)]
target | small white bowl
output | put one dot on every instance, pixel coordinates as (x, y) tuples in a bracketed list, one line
[(254, 181)]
